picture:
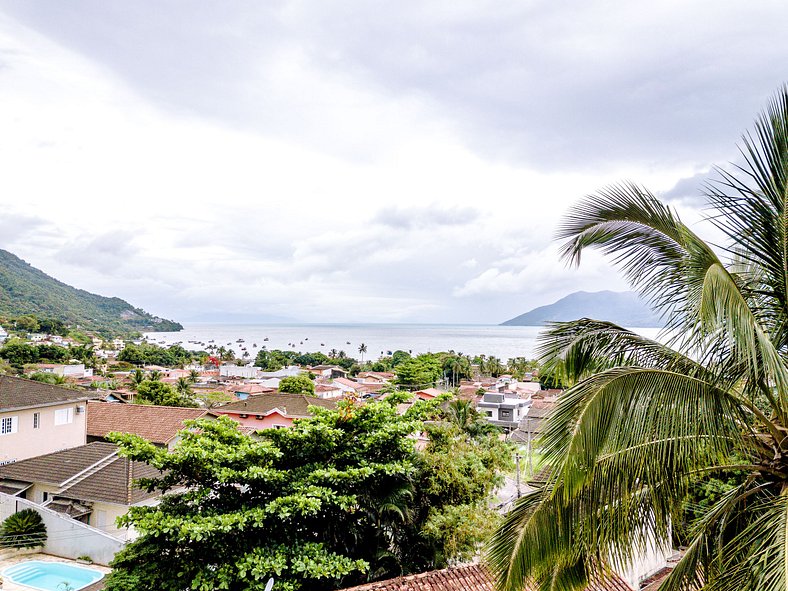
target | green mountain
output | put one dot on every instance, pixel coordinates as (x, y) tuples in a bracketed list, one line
[(26, 290), (624, 308)]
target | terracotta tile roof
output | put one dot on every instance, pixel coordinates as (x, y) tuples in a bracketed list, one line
[(92, 472), (473, 577), (293, 405), (17, 393), (159, 424)]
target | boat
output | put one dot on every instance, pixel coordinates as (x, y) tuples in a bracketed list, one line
[(265, 339)]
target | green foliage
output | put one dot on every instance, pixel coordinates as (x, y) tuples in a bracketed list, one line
[(23, 529), (47, 378), (161, 394), (647, 426), (334, 501), (25, 290), (419, 372), (149, 354), (20, 353), (300, 384)]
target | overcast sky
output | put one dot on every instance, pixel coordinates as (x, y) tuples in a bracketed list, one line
[(357, 161)]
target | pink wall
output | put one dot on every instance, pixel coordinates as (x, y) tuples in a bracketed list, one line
[(267, 422)]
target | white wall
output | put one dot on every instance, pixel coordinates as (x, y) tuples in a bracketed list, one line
[(29, 442), (66, 537)]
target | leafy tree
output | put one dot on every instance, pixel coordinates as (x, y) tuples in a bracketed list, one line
[(213, 399), (300, 384), (644, 421), (47, 378), (161, 394), (338, 499), (420, 372)]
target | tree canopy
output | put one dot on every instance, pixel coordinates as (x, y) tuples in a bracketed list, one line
[(338, 499), (644, 421)]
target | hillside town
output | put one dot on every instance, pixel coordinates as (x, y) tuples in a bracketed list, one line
[(61, 416)]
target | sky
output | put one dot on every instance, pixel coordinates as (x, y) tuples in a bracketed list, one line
[(340, 161)]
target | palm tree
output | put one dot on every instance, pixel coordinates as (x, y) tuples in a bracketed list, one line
[(183, 387), (194, 376), (646, 421), (362, 348), (136, 377)]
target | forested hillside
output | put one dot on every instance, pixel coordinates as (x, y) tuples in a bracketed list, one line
[(27, 290)]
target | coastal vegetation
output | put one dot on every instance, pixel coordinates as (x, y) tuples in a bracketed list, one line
[(339, 499), (25, 291), (645, 425)]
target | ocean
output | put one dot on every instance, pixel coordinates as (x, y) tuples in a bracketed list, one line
[(503, 342)]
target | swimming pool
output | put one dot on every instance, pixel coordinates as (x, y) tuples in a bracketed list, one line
[(51, 576)]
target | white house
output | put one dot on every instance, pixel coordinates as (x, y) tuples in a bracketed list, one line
[(3, 335), (503, 410)]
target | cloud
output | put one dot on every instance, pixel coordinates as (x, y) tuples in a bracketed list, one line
[(423, 217)]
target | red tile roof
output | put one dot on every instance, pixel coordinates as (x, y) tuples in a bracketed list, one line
[(472, 577), (159, 424)]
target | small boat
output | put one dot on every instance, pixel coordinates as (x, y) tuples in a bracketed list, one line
[(265, 339), (322, 344), (347, 343)]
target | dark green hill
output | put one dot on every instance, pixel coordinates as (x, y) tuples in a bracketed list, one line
[(622, 308), (26, 290)]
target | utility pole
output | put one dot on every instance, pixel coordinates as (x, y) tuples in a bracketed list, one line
[(517, 463)]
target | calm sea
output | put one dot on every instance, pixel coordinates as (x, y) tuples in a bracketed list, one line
[(500, 341)]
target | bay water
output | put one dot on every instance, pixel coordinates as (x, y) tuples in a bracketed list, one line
[(503, 342)]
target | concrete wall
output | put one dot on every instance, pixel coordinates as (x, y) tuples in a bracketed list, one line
[(66, 537), (29, 442)]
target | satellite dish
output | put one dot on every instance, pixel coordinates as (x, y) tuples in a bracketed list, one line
[(270, 584)]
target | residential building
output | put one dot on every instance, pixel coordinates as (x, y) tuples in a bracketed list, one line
[(469, 577), (272, 410), (158, 424), (504, 410), (75, 370), (90, 483), (239, 371), (428, 393), (37, 418), (3, 335)]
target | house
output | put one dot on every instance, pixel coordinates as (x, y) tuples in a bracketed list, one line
[(327, 391), (90, 483), (3, 335), (503, 410), (239, 371), (158, 424), (347, 386), (74, 370), (272, 410), (375, 377), (37, 418), (428, 393), (469, 577), (532, 423), (328, 371)]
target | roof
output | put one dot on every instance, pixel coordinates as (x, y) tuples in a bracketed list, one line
[(92, 472), (159, 424), (293, 405), (472, 577), (19, 393)]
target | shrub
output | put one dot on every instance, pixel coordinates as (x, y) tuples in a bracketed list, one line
[(24, 529)]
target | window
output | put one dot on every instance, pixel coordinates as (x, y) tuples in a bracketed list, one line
[(8, 425), (36, 420), (64, 416)]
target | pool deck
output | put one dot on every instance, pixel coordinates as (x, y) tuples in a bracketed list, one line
[(9, 586)]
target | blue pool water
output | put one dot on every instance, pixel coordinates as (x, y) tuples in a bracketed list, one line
[(51, 576)]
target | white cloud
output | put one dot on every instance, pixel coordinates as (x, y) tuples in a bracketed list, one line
[(293, 160)]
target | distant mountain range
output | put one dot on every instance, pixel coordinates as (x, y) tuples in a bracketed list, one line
[(27, 290), (622, 308)]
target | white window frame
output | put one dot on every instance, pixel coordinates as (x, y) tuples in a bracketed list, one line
[(64, 416), (9, 425)]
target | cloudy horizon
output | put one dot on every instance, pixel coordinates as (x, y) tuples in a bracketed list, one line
[(357, 162)]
